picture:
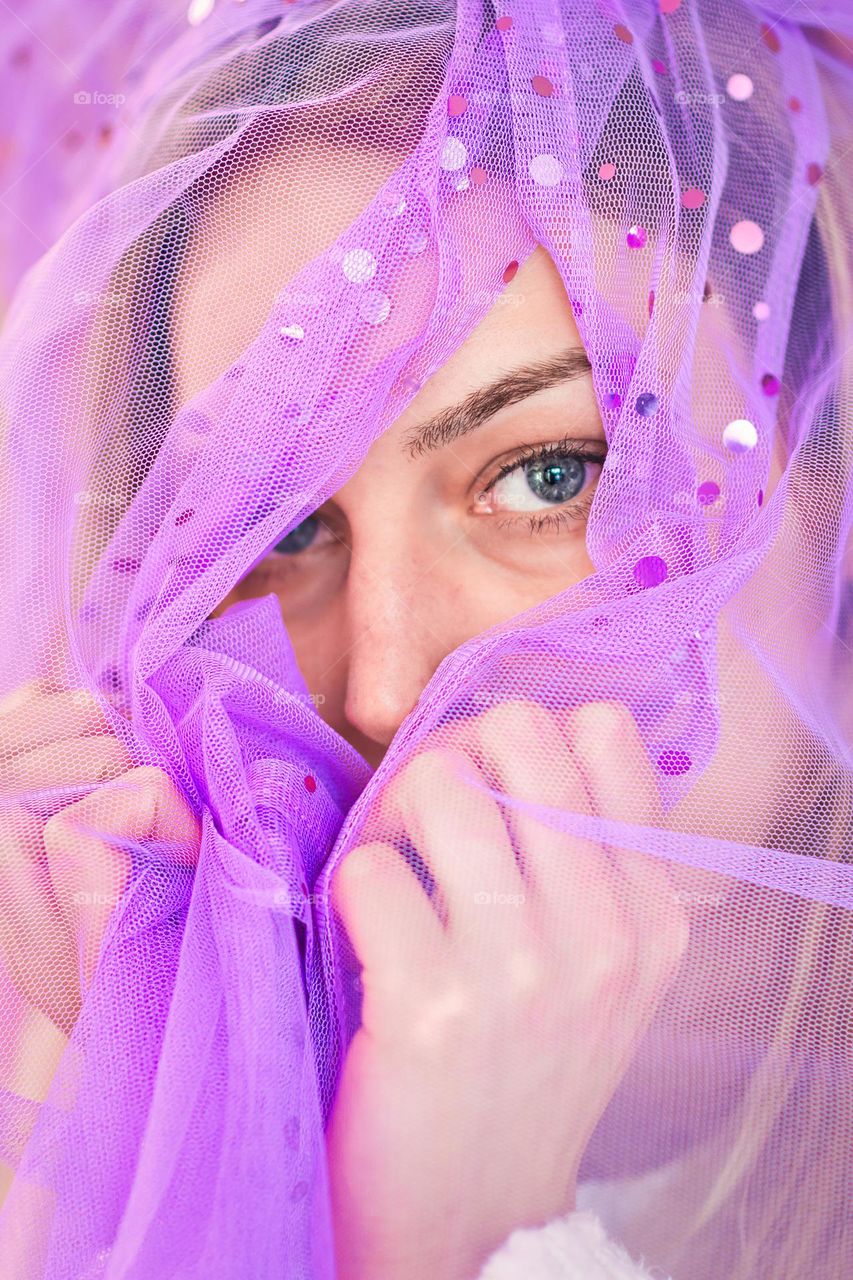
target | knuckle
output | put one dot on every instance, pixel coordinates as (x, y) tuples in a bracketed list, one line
[(673, 938), (514, 720), (84, 698), (526, 974), (439, 1018), (430, 766), (17, 825), (112, 760), (429, 771), (604, 725), (357, 869), (18, 696), (150, 777), (614, 953), (59, 829)]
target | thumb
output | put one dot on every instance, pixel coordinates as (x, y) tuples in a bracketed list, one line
[(88, 872)]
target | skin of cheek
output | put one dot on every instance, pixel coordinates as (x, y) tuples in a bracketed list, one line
[(751, 761), (742, 937)]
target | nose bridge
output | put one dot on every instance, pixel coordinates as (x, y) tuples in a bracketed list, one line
[(393, 647)]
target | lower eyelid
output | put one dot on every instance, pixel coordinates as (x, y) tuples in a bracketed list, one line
[(573, 513)]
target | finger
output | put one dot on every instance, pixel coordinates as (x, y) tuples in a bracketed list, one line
[(611, 755), (36, 943), (87, 872), (31, 718), (463, 840), (573, 883), (391, 923), (70, 762), (37, 1051), (526, 748), (55, 662), (621, 779)]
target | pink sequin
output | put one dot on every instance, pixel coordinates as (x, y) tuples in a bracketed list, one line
[(456, 105), (622, 32), (739, 87), (374, 306), (546, 170), (770, 38), (650, 571), (669, 6), (693, 198), (746, 236), (510, 271), (636, 236), (543, 86), (708, 492), (477, 176), (504, 23), (606, 172), (310, 783), (673, 762), (658, 67), (770, 384), (814, 173)]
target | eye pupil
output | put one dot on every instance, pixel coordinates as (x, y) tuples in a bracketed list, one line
[(556, 481), (300, 537)]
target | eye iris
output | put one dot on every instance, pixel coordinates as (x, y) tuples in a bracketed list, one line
[(556, 481), (300, 537)]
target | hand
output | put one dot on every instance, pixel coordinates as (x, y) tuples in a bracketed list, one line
[(58, 883), (495, 1033)]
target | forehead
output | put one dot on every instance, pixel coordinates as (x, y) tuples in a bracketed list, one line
[(264, 221), (269, 218), (530, 320)]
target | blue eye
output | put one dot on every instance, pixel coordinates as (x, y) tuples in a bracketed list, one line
[(556, 480), (299, 538), (549, 478)]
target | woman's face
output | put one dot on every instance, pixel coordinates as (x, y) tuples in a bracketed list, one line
[(470, 508)]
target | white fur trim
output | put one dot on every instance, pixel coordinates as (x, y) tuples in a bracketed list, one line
[(572, 1248)]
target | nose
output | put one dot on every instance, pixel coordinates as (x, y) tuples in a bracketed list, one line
[(396, 637)]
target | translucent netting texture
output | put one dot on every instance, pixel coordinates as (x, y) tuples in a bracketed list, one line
[(182, 1003)]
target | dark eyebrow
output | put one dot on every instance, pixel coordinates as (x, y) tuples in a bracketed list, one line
[(482, 404)]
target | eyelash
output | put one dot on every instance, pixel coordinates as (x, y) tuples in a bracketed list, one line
[(577, 510)]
